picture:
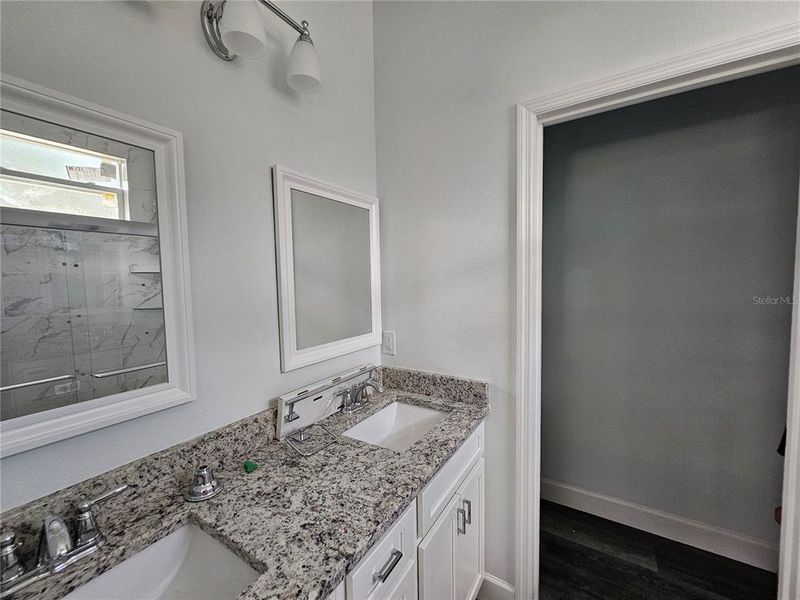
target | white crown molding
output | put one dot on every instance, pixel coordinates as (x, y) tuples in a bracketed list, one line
[(749, 55)]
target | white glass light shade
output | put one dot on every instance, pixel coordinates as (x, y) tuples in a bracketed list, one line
[(242, 30), (303, 73)]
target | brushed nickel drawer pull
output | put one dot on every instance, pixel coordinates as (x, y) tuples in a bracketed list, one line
[(461, 521), (468, 504), (387, 569)]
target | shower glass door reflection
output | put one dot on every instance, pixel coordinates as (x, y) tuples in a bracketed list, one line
[(82, 313), (36, 330)]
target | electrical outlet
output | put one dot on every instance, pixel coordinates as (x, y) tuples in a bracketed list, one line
[(389, 343)]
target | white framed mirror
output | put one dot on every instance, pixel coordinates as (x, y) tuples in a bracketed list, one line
[(96, 316), (328, 255)]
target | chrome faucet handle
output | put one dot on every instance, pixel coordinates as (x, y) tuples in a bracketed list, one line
[(87, 504), (347, 399), (88, 531), (11, 567), (204, 485), (54, 541), (291, 415)]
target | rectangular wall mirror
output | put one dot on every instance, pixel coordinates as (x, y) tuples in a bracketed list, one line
[(328, 269), (94, 295)]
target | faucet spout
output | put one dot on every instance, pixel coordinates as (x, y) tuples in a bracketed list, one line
[(56, 549), (360, 392)]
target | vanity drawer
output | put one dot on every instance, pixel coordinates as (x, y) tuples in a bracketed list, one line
[(392, 554), (405, 589), (437, 494)]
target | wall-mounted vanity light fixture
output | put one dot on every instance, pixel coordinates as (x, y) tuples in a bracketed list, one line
[(241, 33)]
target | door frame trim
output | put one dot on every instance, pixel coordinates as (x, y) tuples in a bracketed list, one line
[(750, 55)]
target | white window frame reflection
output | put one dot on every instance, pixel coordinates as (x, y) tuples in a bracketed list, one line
[(38, 429), (121, 192)]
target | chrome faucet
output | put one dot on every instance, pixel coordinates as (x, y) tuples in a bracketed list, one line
[(355, 397), (360, 394), (56, 549)]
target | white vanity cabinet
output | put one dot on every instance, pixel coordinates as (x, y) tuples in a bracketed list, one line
[(451, 554), (451, 526), (435, 550)]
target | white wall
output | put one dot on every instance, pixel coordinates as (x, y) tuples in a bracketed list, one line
[(238, 119), (447, 77)]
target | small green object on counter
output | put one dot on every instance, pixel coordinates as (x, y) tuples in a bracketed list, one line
[(250, 466)]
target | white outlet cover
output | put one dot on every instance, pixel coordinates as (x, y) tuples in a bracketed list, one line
[(389, 344)]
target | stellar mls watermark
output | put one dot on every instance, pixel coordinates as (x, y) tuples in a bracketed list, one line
[(774, 300)]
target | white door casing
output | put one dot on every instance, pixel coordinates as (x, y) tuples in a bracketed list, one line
[(769, 50)]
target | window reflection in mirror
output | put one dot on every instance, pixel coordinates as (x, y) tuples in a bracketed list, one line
[(42, 175), (331, 248), (82, 313)]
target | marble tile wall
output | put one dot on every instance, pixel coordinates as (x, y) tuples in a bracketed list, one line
[(35, 324), (77, 302)]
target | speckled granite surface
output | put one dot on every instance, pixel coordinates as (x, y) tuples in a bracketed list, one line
[(446, 387), (300, 521)]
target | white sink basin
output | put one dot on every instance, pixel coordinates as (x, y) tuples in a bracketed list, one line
[(188, 564), (396, 427)]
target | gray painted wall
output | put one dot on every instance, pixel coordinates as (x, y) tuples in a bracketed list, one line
[(664, 382), (447, 78)]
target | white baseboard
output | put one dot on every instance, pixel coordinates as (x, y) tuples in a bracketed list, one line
[(494, 588), (680, 529)]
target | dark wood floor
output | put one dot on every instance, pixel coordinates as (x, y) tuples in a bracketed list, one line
[(584, 557)]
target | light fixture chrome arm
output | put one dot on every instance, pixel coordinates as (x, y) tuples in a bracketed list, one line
[(301, 29), (242, 33), (211, 13)]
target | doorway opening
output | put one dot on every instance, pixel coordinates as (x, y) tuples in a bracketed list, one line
[(628, 328)]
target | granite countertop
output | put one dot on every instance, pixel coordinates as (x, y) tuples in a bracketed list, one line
[(302, 522)]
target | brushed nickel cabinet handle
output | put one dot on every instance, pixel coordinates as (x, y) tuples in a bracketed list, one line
[(387, 569), (468, 504), (461, 521)]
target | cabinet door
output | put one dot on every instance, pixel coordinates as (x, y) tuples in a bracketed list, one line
[(437, 556), (469, 542)]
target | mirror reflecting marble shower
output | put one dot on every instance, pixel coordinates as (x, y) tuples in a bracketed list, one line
[(82, 311)]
